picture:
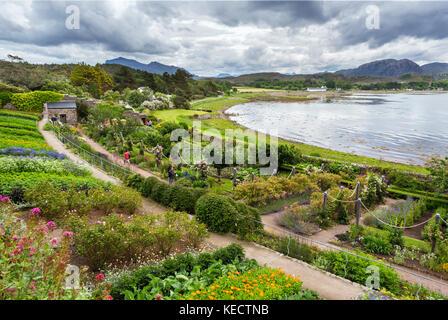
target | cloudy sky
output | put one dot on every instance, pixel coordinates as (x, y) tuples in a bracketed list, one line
[(211, 37)]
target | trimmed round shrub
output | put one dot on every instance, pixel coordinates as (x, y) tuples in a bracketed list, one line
[(182, 199), (217, 212)]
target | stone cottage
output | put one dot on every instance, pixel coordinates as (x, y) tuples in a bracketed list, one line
[(65, 110)]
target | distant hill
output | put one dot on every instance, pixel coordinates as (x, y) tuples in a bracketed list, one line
[(384, 68), (434, 68), (153, 67), (395, 68)]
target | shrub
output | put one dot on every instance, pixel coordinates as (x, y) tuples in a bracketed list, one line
[(217, 212), (112, 239), (229, 254), (33, 101), (354, 268), (181, 199), (376, 245), (161, 192), (5, 97), (135, 181)]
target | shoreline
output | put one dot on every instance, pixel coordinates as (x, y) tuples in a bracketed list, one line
[(329, 154)]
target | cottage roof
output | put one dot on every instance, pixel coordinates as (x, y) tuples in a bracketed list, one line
[(62, 105)]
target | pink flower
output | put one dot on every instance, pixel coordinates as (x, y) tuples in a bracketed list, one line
[(109, 297), (51, 225), (32, 286), (5, 200), (158, 296), (35, 212), (15, 238), (68, 234), (99, 277), (54, 240)]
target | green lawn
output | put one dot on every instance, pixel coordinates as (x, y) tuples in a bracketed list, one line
[(176, 115)]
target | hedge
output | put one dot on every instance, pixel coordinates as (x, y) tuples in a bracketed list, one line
[(34, 101), (173, 196), (433, 201)]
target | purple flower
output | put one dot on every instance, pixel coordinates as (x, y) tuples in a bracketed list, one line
[(54, 240), (68, 234), (35, 212), (51, 225), (5, 200)]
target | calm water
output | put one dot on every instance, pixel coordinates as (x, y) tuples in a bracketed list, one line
[(406, 128)]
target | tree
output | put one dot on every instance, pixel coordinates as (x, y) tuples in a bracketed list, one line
[(95, 79), (135, 98), (438, 169), (180, 100)]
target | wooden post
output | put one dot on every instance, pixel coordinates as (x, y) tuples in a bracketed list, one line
[(234, 177), (358, 213), (433, 247), (322, 167), (293, 171), (357, 190), (324, 205), (253, 177)]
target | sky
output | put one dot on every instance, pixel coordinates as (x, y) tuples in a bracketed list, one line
[(211, 37)]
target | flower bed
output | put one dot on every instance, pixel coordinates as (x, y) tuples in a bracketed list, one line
[(255, 284), (27, 152), (42, 165)]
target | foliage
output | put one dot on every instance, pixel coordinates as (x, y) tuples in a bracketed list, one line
[(95, 79), (372, 188), (325, 181), (262, 190), (376, 245), (297, 218), (222, 214), (288, 154), (11, 164), (33, 266), (335, 210), (19, 182), (113, 239), (205, 264), (255, 284), (34, 101), (25, 152), (439, 171)]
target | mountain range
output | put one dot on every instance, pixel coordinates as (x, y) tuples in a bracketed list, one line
[(395, 68), (153, 67), (379, 68)]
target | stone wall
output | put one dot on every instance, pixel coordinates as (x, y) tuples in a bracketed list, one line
[(71, 115)]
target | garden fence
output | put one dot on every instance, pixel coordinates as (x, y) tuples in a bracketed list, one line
[(101, 162)]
